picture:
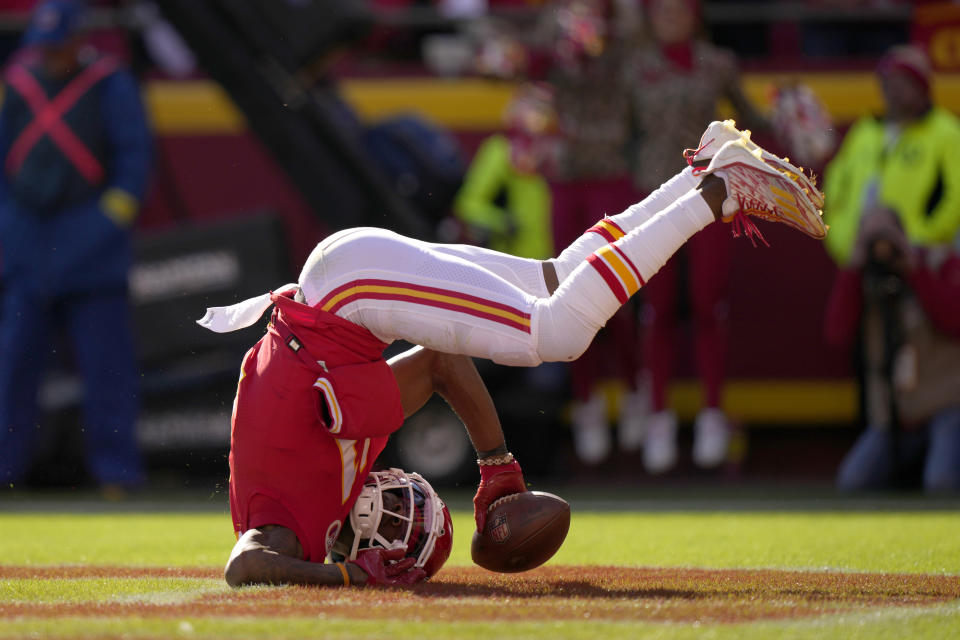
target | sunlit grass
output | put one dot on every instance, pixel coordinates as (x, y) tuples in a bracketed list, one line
[(872, 541), (891, 624), (158, 590), (916, 542)]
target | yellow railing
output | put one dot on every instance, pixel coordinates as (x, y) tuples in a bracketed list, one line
[(185, 108)]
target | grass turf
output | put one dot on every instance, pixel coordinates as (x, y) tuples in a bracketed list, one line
[(899, 541), (63, 590), (891, 624), (892, 541)]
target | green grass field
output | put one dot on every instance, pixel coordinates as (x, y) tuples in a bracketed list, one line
[(620, 574)]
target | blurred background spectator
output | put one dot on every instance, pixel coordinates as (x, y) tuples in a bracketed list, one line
[(75, 150), (900, 160), (894, 210), (504, 203), (678, 80), (586, 54), (905, 301)]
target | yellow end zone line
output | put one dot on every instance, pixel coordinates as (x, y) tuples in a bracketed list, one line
[(470, 104), (793, 402)]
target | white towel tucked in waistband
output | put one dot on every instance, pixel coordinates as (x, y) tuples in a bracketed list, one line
[(240, 315)]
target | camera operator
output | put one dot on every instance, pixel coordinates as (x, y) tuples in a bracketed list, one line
[(903, 302)]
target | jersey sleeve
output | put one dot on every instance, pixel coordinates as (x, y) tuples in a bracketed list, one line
[(359, 401)]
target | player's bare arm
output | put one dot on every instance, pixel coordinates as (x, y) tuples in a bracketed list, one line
[(271, 554), (422, 372)]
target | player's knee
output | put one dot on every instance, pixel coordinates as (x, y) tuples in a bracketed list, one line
[(558, 349), (564, 333)]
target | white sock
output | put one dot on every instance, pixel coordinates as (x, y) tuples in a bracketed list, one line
[(668, 193), (651, 245), (615, 227), (605, 280)]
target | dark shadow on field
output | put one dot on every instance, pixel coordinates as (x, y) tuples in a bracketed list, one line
[(562, 588), (585, 590), (618, 583)]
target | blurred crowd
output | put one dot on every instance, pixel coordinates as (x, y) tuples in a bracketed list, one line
[(609, 94)]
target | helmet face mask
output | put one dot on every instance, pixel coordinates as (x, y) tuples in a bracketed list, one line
[(394, 510)]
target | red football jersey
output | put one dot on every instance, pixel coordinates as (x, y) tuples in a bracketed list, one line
[(315, 405)]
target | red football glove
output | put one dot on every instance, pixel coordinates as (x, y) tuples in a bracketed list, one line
[(388, 567), (496, 481)]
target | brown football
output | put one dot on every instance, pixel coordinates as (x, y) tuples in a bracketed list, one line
[(523, 531)]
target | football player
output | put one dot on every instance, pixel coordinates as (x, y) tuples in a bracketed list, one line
[(316, 401), (398, 532)]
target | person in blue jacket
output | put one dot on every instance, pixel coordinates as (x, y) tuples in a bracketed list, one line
[(75, 155)]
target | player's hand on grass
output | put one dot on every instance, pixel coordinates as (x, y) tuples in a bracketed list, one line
[(496, 481), (388, 567)]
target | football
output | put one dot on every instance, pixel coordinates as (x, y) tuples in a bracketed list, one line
[(523, 531)]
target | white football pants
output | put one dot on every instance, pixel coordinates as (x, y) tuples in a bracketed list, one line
[(478, 302)]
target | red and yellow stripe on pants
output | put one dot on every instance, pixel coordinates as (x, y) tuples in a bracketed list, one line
[(608, 229), (449, 299), (617, 270)]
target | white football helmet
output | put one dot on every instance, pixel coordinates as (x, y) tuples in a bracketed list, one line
[(401, 505)]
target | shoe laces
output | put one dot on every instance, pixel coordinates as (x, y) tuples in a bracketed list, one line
[(690, 154), (742, 225)]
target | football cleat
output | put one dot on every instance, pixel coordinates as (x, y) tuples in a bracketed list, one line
[(754, 188), (718, 133)]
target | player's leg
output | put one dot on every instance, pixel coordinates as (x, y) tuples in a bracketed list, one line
[(24, 343), (574, 211), (102, 338), (524, 273), (759, 184), (578, 205), (610, 275), (528, 273), (400, 288), (737, 183), (611, 228)]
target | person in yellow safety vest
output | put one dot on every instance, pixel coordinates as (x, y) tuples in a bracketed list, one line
[(505, 201), (901, 161)]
